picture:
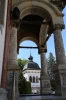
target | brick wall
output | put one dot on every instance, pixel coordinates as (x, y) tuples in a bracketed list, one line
[(6, 47)]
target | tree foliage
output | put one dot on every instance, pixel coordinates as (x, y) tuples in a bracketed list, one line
[(29, 87), (23, 85), (21, 63), (51, 63)]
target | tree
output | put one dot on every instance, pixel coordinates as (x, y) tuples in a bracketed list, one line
[(21, 63), (50, 63), (23, 85), (29, 87)]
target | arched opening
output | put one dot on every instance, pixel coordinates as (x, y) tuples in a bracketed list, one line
[(24, 54), (30, 28), (33, 79), (30, 79)]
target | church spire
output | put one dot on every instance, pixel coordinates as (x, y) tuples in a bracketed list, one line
[(30, 57)]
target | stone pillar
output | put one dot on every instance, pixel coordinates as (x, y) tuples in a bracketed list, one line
[(59, 47), (12, 64), (43, 65), (13, 47), (44, 79), (60, 68)]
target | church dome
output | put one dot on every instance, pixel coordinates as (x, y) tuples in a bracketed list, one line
[(31, 65)]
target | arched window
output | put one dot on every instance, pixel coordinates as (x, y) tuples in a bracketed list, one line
[(30, 79), (33, 79), (37, 79)]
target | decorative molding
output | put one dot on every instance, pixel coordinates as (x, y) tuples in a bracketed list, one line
[(35, 10), (15, 23), (59, 4), (45, 84), (58, 26), (42, 50), (42, 1)]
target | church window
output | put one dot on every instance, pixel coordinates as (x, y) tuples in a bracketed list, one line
[(30, 79), (33, 79)]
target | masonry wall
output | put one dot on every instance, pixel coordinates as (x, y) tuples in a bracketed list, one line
[(2, 37), (6, 47)]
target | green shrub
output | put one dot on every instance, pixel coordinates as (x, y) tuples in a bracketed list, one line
[(23, 85), (29, 87)]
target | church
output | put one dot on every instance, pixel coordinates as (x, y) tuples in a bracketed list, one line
[(31, 72)]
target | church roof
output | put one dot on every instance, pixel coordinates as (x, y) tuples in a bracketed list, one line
[(31, 65)]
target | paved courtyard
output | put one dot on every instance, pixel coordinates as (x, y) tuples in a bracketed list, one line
[(39, 97)]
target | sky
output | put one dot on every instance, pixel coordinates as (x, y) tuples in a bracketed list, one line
[(25, 53)]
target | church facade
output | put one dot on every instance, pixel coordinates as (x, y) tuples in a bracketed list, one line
[(31, 72)]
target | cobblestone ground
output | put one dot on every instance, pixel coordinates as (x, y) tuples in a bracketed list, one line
[(47, 97)]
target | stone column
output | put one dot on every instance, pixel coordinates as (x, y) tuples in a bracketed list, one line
[(43, 65), (44, 79), (60, 68), (59, 46), (13, 47), (12, 64)]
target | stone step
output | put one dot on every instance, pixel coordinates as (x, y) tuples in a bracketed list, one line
[(41, 97)]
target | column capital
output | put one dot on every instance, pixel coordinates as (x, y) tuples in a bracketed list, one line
[(15, 23), (44, 50), (58, 26)]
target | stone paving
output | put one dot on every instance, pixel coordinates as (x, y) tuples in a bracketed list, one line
[(41, 97)]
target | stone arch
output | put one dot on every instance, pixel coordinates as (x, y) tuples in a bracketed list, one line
[(37, 6), (35, 11), (29, 38), (44, 9)]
